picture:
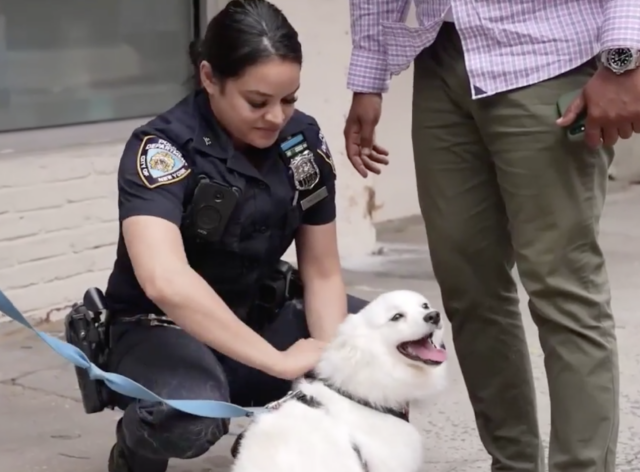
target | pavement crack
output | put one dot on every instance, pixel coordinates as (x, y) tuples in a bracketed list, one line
[(13, 383), (71, 456), (12, 380)]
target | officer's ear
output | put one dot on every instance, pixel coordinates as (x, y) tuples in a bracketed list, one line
[(208, 79)]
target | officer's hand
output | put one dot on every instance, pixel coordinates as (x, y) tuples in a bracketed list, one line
[(359, 134), (299, 359)]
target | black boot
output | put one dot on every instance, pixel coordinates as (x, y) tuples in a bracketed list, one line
[(123, 459)]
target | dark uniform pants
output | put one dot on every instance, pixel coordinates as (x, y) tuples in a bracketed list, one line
[(500, 184), (174, 365)]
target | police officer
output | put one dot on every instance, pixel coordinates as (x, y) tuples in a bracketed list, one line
[(211, 194)]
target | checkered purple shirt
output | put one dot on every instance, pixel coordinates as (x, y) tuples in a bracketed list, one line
[(507, 43)]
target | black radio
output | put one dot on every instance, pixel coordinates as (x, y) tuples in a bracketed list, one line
[(282, 285)]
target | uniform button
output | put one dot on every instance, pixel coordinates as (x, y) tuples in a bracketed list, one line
[(263, 229), (262, 185)]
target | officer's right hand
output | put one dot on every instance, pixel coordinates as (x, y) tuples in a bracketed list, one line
[(359, 134), (299, 359)]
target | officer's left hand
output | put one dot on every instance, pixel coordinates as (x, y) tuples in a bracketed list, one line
[(613, 107)]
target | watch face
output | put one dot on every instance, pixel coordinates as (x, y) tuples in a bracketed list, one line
[(620, 59)]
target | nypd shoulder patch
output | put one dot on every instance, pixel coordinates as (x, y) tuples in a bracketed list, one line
[(160, 163), (325, 152), (324, 147)]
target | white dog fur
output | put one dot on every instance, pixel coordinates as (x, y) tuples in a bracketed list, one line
[(364, 361)]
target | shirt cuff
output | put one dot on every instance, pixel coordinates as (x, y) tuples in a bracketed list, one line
[(621, 26), (368, 72)]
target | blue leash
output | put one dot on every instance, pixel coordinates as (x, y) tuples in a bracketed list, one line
[(124, 385)]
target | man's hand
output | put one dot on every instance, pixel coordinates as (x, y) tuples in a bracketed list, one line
[(613, 107), (365, 155)]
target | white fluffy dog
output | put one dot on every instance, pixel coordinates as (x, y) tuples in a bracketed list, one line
[(347, 415)]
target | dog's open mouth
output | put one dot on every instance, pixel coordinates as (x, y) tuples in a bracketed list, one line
[(424, 350)]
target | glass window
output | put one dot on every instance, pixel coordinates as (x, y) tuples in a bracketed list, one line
[(68, 62)]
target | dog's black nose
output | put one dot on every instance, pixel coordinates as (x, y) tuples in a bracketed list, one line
[(432, 317)]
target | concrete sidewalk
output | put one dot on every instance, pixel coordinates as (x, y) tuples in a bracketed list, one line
[(43, 427)]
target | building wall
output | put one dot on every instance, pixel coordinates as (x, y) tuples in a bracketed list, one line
[(57, 225), (58, 212)]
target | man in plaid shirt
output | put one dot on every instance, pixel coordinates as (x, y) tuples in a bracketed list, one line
[(500, 184)]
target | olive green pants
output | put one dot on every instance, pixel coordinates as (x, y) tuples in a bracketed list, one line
[(500, 185)]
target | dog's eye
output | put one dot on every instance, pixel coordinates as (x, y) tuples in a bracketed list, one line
[(426, 306), (397, 317)]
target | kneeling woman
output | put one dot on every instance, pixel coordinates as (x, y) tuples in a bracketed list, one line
[(211, 193)]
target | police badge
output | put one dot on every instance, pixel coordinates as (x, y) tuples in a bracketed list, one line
[(305, 171)]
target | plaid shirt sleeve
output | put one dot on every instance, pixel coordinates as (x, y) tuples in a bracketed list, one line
[(368, 69), (621, 26)]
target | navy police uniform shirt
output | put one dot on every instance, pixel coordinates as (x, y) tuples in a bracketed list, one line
[(161, 166)]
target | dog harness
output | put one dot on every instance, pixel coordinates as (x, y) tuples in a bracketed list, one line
[(401, 414), (311, 402)]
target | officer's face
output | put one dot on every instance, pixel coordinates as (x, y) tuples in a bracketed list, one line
[(255, 106)]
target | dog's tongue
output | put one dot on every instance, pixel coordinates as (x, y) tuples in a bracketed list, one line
[(425, 350)]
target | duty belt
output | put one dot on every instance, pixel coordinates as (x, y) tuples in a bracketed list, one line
[(149, 319)]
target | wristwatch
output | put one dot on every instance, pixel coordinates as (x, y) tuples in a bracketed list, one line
[(620, 60)]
